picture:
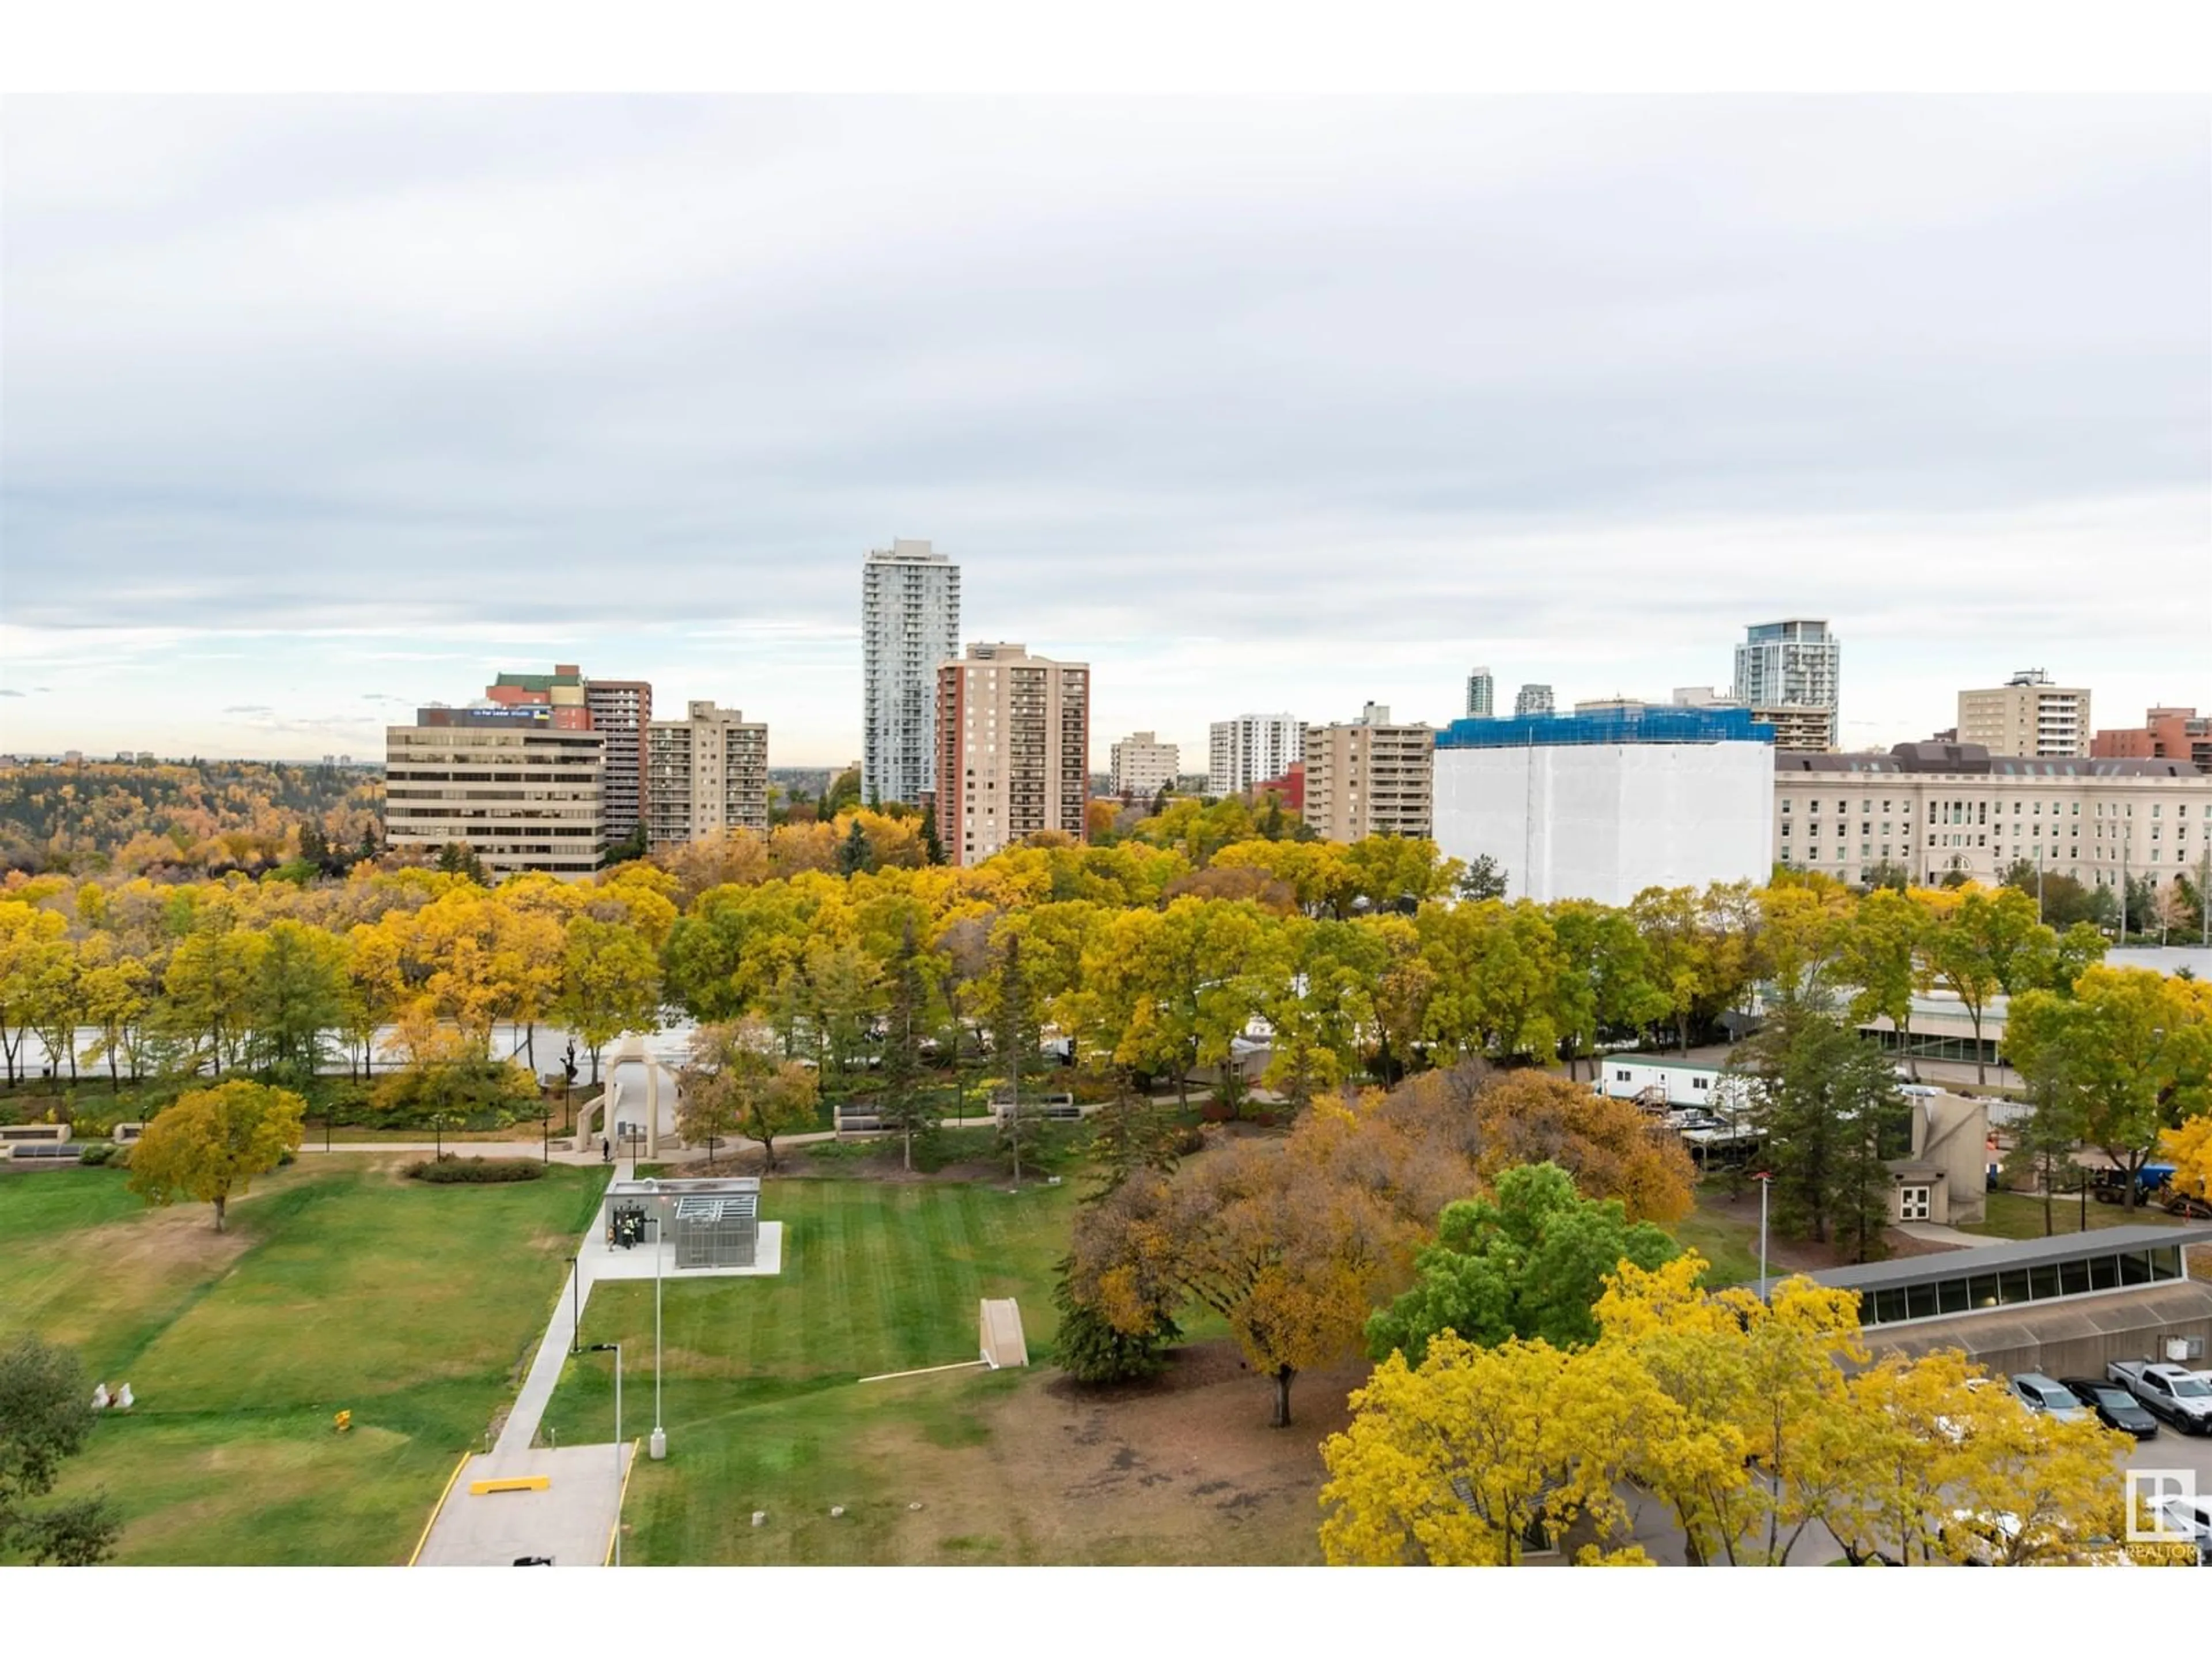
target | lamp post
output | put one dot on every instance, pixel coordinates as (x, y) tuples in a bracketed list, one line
[(575, 1302), (615, 1348), (1764, 1177), (658, 1447)]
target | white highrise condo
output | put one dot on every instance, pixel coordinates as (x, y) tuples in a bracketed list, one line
[(909, 623)]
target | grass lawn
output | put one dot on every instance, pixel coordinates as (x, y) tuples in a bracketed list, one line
[(339, 1285), (1731, 1247), (765, 1410), (2018, 1215), (760, 1374)]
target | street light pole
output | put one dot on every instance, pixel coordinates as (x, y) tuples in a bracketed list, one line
[(615, 1348), (659, 1446), (575, 1302), (1764, 1177)]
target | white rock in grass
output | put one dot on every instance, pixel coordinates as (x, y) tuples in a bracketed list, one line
[(837, 1511), (760, 1517)]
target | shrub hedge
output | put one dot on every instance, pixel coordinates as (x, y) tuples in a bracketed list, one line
[(450, 1170)]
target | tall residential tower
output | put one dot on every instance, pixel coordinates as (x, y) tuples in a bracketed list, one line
[(1014, 752), (910, 624), (1250, 749), (1789, 674)]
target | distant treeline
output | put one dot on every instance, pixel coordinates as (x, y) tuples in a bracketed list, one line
[(204, 817)]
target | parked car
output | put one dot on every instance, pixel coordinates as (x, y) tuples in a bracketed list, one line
[(2054, 1400), (1985, 1538), (2116, 1408), (2190, 1519), (2180, 1396)]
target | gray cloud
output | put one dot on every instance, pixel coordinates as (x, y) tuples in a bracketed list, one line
[(1357, 371)]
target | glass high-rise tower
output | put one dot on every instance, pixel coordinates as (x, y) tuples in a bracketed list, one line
[(910, 625)]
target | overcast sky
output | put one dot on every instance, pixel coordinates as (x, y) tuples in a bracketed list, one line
[(316, 409)]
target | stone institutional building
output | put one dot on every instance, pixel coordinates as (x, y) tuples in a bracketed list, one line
[(516, 784), (705, 773), (909, 623), (1143, 765), (1369, 777), (2029, 716), (1251, 749), (1013, 750), (1936, 808)]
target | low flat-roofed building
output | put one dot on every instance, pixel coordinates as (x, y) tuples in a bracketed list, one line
[(2066, 1306)]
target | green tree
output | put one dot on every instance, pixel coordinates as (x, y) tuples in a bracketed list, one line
[(1829, 1106), (933, 845), (855, 856), (609, 984), (1529, 1263), (733, 1071), (842, 795), (1090, 1348), (298, 994), (1989, 944), (1014, 1036), (213, 981), (209, 1144), (45, 1414), (1498, 974), (904, 1105), (458, 858), (1879, 957), (1484, 878), (2129, 1052)]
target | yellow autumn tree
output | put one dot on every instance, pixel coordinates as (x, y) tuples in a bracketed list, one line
[(209, 1143), (1468, 1458)]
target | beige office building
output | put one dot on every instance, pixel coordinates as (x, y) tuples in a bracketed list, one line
[(1936, 808), (1013, 750), (704, 774), (1369, 777), (1143, 765), (509, 782), (1808, 728), (2028, 715)]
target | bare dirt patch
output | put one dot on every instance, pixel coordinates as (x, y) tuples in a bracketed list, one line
[(178, 1241), (1183, 1470)]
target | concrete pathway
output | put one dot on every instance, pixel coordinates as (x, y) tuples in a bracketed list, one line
[(581, 1501), (1929, 1232)]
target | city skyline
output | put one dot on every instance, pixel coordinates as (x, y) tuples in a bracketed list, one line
[(289, 455)]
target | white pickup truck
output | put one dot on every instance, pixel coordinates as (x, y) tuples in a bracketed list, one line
[(2181, 1396)]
